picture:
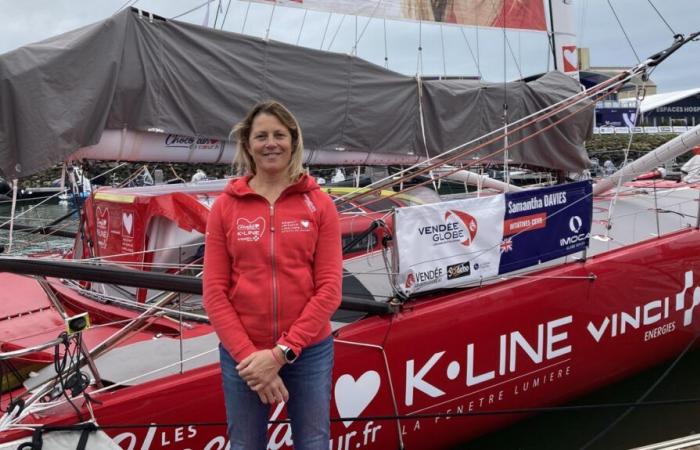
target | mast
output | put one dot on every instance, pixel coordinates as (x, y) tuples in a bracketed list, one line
[(563, 37)]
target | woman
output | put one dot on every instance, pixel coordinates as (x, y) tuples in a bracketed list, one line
[(272, 280)]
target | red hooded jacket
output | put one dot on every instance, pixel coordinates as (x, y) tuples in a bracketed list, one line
[(272, 273)]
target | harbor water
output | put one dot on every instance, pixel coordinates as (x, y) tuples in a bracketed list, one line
[(595, 425)]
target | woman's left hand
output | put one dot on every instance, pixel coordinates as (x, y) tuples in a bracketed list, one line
[(259, 369)]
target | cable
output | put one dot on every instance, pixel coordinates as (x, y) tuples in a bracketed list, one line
[(192, 10), (624, 32), (662, 18), (216, 17), (223, 21), (60, 364)]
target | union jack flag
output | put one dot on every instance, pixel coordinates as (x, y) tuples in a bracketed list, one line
[(506, 245)]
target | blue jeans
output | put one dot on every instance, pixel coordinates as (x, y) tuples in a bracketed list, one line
[(308, 381)]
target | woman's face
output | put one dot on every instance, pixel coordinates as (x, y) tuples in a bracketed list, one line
[(270, 144)]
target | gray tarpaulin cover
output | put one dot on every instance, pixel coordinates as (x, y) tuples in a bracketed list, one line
[(128, 71)]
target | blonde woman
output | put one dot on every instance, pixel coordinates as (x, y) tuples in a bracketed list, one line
[(272, 280)]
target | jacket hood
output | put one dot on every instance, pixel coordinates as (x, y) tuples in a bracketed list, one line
[(239, 187)]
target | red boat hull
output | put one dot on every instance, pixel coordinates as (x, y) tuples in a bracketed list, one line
[(523, 343)]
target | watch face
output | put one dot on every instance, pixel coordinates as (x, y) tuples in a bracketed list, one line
[(290, 356)]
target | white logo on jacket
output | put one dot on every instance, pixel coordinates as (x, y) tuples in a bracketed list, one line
[(250, 230), (295, 226)]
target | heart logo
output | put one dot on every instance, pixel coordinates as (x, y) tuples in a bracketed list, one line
[(128, 221), (251, 231), (305, 223), (353, 396), (102, 226), (570, 58)]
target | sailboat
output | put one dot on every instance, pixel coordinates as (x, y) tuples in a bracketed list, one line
[(426, 357)]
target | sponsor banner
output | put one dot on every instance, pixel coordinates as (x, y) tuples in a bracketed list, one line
[(615, 117), (545, 224), (521, 14), (636, 130), (449, 243), (455, 243)]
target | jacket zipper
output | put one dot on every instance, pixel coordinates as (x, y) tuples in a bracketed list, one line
[(274, 274)]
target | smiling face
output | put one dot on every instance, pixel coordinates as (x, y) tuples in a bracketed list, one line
[(269, 145)]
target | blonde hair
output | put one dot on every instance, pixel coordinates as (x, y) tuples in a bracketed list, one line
[(241, 131)]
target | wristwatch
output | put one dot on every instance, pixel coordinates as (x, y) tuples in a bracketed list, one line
[(288, 353)]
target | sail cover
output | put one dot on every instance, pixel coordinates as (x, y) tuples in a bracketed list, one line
[(141, 73), (521, 14)]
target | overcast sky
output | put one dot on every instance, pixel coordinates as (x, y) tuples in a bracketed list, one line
[(465, 53)]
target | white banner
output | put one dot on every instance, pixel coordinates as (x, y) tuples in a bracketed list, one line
[(449, 243)]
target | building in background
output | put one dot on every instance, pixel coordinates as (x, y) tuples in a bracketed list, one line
[(665, 112)]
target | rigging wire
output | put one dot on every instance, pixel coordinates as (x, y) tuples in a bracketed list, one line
[(442, 45), (340, 25), (506, 171), (386, 51), (223, 21), (269, 24), (245, 17), (582, 19), (662, 18), (301, 28), (192, 10), (419, 54), (624, 32), (325, 30), (216, 17), (476, 62), (133, 2), (362, 33), (46, 199)]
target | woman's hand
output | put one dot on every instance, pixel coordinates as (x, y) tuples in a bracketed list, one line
[(259, 369), (274, 392)]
